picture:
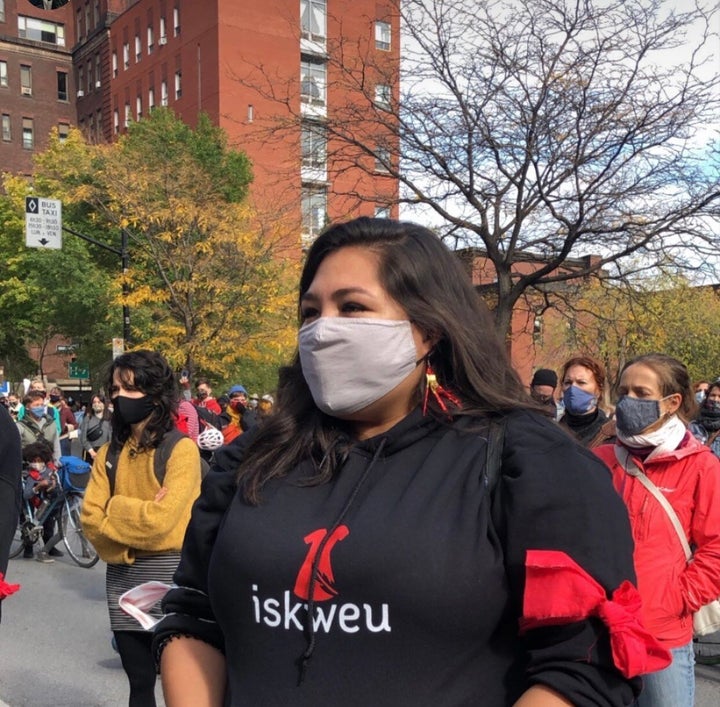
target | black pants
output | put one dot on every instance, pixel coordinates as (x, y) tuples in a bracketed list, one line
[(137, 661)]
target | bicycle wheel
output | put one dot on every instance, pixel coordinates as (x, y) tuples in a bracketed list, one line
[(25, 533), (78, 546), (17, 545)]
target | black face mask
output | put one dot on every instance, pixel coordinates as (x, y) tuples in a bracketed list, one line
[(132, 410), (54, 398), (544, 399)]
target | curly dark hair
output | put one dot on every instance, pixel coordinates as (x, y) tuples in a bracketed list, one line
[(428, 281), (38, 450), (150, 373)]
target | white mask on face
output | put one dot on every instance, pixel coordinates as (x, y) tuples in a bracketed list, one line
[(350, 363)]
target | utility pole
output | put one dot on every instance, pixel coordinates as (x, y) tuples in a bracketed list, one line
[(124, 254)]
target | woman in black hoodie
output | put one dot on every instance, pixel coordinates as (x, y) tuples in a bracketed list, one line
[(407, 528)]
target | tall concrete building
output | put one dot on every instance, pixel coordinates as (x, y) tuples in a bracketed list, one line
[(268, 73)]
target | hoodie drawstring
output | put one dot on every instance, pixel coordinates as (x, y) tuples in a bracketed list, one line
[(304, 659)]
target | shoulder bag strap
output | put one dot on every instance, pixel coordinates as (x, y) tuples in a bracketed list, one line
[(493, 453), (623, 457), (111, 459)]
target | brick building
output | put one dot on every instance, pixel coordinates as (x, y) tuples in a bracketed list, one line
[(36, 80), (100, 64), (540, 335)]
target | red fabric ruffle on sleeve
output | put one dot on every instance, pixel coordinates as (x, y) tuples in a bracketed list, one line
[(7, 589), (558, 591)]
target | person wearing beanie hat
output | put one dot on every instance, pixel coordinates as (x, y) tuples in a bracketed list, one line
[(706, 427), (542, 387)]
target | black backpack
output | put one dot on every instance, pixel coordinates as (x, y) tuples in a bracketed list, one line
[(162, 454)]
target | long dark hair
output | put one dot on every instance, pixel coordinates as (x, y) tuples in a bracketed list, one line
[(428, 281), (150, 373), (106, 415)]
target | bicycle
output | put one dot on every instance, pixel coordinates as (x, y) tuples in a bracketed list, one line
[(68, 499)]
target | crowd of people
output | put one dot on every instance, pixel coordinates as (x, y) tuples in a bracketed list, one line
[(411, 525)]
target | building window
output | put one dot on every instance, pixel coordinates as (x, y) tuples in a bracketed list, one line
[(63, 131), (81, 82), (89, 76), (314, 210), (96, 12), (2, 10), (78, 23), (150, 39), (312, 82), (25, 80), (382, 212), (313, 18), (28, 137), (88, 25), (138, 48), (98, 72), (116, 121), (383, 95), (62, 86), (126, 55), (151, 98), (176, 21), (138, 107), (114, 64), (163, 32), (383, 36), (178, 84), (6, 132), (382, 158), (41, 30), (3, 74), (163, 93), (98, 124), (313, 140), (127, 115)]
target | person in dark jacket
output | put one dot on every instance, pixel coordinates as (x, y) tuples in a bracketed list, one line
[(583, 383), (10, 471), (408, 527), (706, 427)]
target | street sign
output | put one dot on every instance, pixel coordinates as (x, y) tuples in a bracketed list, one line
[(43, 222), (78, 370)]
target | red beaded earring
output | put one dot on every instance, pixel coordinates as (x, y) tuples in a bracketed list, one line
[(442, 395)]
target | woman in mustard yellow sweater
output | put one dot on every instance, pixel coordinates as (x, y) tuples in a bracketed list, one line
[(138, 502)]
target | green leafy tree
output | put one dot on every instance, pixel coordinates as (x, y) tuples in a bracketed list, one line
[(207, 281), (47, 293)]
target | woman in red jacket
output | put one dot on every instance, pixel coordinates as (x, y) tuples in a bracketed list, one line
[(655, 404)]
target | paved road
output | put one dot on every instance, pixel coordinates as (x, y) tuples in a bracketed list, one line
[(55, 642), (55, 639)]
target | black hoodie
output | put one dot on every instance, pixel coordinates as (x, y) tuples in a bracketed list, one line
[(417, 581)]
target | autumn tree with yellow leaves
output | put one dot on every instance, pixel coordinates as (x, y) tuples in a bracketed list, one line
[(615, 323), (209, 285)]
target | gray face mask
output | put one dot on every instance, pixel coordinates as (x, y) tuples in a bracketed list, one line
[(350, 363)]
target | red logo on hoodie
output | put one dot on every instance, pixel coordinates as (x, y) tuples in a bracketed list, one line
[(324, 587)]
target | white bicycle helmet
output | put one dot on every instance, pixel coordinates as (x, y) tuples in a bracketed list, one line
[(210, 439)]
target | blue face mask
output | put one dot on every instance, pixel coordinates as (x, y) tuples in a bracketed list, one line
[(700, 396), (634, 415), (38, 411), (578, 401)]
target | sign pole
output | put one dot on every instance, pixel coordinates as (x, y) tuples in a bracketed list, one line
[(125, 257)]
